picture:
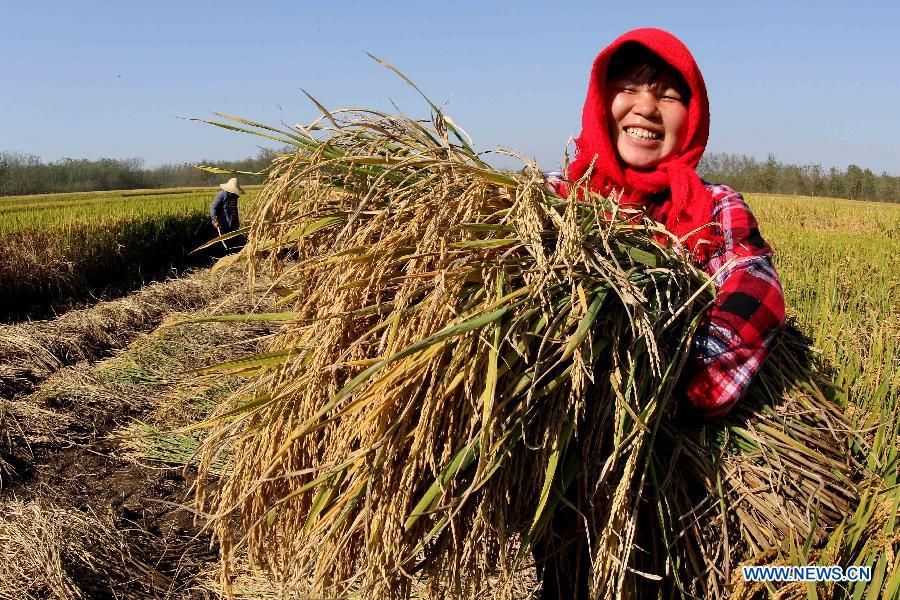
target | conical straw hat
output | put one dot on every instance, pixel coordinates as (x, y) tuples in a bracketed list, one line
[(232, 186)]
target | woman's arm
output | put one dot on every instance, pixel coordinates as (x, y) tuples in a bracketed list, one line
[(738, 331)]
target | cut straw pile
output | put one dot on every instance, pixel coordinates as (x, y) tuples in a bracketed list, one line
[(63, 554), (463, 351), (32, 351)]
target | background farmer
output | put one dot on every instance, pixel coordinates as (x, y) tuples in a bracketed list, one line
[(224, 208)]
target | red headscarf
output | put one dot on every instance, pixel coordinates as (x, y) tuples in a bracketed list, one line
[(689, 205)]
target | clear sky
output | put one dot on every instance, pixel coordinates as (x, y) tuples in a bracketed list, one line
[(811, 82)]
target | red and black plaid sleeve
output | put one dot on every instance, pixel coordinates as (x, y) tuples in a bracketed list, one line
[(737, 333)]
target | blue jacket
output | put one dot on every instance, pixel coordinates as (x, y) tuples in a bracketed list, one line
[(224, 209)]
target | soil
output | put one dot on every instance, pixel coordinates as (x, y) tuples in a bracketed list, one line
[(78, 462), (148, 504)]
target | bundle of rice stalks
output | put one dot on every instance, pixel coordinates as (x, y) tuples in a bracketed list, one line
[(464, 353)]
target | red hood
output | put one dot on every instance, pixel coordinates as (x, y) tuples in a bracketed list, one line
[(691, 203)]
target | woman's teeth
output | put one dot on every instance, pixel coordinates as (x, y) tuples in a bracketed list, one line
[(642, 134)]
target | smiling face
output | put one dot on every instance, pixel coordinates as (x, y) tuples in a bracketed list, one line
[(647, 110)]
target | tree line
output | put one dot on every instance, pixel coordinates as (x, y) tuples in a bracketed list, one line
[(28, 174), (747, 174)]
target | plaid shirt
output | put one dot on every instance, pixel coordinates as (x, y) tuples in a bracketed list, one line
[(737, 332), (739, 329)]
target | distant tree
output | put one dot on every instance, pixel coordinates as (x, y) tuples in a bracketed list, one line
[(853, 182), (835, 183), (27, 174), (792, 181), (886, 188), (867, 189), (768, 174), (815, 181), (747, 174)]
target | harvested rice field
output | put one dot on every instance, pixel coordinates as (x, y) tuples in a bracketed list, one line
[(93, 505), (106, 414)]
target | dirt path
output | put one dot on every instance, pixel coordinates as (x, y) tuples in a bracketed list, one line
[(87, 509)]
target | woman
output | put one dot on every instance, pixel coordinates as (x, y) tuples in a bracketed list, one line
[(645, 125)]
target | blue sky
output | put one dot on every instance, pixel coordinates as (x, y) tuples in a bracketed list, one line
[(809, 82)]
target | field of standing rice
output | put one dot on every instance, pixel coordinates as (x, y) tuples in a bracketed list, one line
[(838, 263), (47, 211), (62, 248)]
